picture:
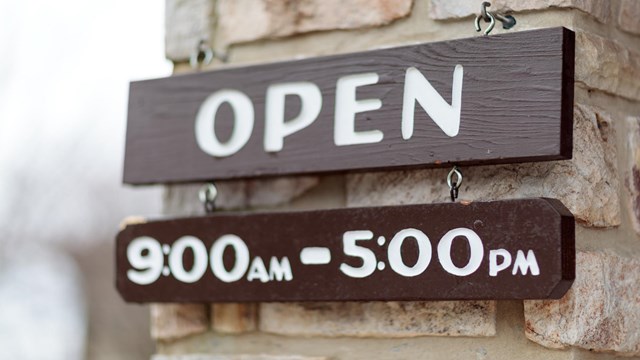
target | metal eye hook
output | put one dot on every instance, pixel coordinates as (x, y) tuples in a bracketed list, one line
[(454, 185), (483, 11), (201, 56), (492, 22), (507, 21), (207, 195)]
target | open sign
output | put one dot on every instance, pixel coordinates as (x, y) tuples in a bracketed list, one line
[(484, 100)]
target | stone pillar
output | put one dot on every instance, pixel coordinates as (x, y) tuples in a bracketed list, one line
[(600, 185)]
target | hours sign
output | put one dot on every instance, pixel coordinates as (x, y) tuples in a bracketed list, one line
[(492, 99), (515, 249)]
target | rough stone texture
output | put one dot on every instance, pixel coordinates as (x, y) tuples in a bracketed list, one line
[(277, 191), (379, 319), (588, 184), (186, 23), (629, 16), (633, 179), (448, 9), (601, 312), (182, 200), (234, 357), (248, 20), (606, 65), (234, 318), (174, 321)]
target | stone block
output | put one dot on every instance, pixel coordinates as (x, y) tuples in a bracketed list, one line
[(453, 9), (174, 321), (588, 184), (250, 20), (601, 312), (277, 191), (633, 179), (606, 65), (235, 357), (182, 200), (234, 318), (186, 23), (629, 16), (379, 319)]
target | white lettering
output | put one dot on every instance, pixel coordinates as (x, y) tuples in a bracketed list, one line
[(350, 248), (206, 118), (279, 270), (315, 256), (444, 252), (276, 128), (147, 264), (241, 258), (418, 88), (347, 106), (524, 264), (395, 253), (494, 266), (258, 271), (199, 259)]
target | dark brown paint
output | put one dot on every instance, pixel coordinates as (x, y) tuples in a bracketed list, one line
[(542, 225), (517, 104)]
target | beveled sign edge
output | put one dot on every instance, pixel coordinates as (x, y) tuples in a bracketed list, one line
[(568, 226), (568, 80)]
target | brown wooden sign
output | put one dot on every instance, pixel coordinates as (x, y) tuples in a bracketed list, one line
[(515, 249), (484, 100)]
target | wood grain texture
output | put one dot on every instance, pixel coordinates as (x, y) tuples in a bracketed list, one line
[(544, 226), (517, 102)]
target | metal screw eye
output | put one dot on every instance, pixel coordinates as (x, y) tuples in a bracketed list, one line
[(454, 185), (207, 195), (201, 56), (492, 23)]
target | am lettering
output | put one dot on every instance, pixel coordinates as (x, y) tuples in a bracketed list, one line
[(279, 270), (417, 89)]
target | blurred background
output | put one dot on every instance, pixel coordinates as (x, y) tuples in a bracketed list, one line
[(65, 67)]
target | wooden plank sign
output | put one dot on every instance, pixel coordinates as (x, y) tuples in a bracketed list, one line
[(484, 100), (515, 249)]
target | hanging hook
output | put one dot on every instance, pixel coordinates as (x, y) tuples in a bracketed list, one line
[(483, 11), (208, 194), (507, 21), (454, 185), (492, 23), (203, 55)]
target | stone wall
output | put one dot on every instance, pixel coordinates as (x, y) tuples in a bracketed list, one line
[(599, 316)]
